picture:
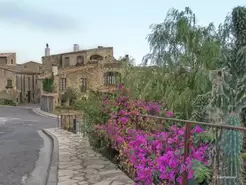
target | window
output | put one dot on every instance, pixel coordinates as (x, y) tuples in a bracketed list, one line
[(63, 84), (66, 62), (109, 78), (9, 83), (28, 83), (12, 61), (80, 61), (24, 83), (83, 84)]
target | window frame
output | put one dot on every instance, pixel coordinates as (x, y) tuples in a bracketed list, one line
[(62, 84), (83, 84)]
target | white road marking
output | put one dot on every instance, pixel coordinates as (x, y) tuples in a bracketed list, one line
[(3, 120), (23, 179)]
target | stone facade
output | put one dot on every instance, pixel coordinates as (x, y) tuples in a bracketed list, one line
[(83, 71), (7, 84), (27, 88), (31, 67), (86, 78), (23, 79), (7, 59)]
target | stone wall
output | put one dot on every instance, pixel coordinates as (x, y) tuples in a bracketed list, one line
[(48, 102), (8, 59), (28, 88), (48, 61), (31, 67), (94, 75), (6, 75)]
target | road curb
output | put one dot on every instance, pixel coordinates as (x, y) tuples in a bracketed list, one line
[(44, 114), (52, 178)]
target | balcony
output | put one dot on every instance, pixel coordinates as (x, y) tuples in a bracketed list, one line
[(112, 65), (93, 62)]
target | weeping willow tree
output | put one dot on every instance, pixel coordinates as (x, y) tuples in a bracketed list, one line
[(181, 54)]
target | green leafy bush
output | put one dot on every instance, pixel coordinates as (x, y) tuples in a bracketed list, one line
[(8, 102), (48, 85), (92, 116)]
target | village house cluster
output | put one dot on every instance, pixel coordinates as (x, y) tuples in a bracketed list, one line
[(82, 70)]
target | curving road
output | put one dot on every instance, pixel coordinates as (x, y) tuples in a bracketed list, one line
[(21, 141)]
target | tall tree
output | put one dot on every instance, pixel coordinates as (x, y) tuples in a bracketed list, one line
[(186, 52)]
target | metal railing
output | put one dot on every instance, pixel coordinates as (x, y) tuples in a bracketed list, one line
[(151, 123), (73, 123), (216, 150), (67, 122)]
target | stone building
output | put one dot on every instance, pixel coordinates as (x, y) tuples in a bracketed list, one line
[(81, 70), (19, 81), (7, 84)]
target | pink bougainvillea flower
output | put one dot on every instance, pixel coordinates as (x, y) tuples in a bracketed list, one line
[(158, 154), (198, 129), (169, 114), (124, 120)]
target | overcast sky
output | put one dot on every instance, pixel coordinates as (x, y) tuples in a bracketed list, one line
[(27, 25)]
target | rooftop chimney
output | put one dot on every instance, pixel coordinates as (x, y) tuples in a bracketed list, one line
[(47, 50), (75, 47)]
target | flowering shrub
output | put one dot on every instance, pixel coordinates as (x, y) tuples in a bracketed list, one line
[(150, 153)]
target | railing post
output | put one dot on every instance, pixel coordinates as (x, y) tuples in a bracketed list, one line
[(74, 124), (186, 150), (69, 123)]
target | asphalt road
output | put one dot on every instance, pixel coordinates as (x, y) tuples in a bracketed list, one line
[(20, 142)]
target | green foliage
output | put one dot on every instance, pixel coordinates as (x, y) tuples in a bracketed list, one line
[(48, 85), (232, 160), (200, 106), (183, 53), (234, 65), (92, 116), (228, 94), (201, 172), (243, 155), (68, 96), (8, 102)]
